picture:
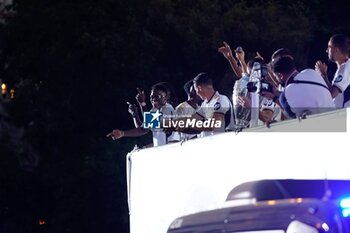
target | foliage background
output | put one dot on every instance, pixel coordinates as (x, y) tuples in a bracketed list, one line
[(74, 64)]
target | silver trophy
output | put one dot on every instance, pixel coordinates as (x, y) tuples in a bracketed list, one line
[(242, 114)]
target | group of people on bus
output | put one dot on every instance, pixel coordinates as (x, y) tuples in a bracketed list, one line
[(271, 91)]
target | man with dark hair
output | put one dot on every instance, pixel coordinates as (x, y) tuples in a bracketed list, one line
[(214, 105), (338, 51), (202, 79), (159, 99), (304, 93), (283, 64), (215, 108), (279, 53), (189, 107)]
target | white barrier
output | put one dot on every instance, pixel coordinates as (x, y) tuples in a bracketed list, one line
[(170, 181)]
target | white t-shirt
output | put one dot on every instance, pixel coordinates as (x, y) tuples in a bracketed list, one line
[(342, 81), (217, 104), (309, 98), (159, 136)]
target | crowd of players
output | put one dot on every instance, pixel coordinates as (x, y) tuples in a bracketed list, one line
[(264, 93)]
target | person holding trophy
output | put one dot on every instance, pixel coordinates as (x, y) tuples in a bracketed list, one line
[(251, 109)]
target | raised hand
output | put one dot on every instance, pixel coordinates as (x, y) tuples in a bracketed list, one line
[(259, 56), (226, 51), (132, 109), (321, 68), (140, 97), (240, 54)]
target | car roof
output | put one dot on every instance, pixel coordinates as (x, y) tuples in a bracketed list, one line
[(261, 190)]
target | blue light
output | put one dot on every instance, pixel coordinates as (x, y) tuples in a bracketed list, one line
[(346, 213), (345, 205)]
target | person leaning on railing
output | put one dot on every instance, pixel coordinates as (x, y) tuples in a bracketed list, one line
[(304, 92)]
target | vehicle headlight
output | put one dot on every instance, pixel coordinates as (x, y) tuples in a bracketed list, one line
[(177, 223), (345, 206)]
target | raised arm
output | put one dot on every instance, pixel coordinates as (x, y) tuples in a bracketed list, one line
[(132, 109), (240, 54), (141, 99), (227, 52)]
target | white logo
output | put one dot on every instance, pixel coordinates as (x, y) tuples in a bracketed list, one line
[(217, 106), (338, 79), (269, 102)]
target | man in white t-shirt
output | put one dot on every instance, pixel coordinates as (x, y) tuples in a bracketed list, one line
[(215, 108), (214, 105), (304, 93), (160, 137), (338, 51)]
